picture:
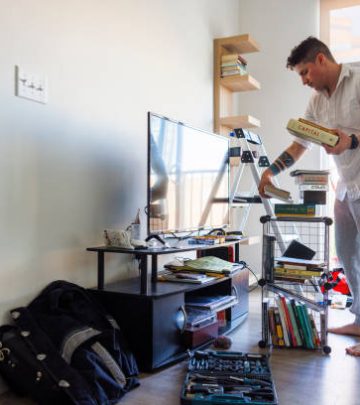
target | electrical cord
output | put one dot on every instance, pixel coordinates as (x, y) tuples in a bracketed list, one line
[(245, 266)]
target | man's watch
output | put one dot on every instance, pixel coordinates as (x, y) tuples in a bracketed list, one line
[(354, 141)]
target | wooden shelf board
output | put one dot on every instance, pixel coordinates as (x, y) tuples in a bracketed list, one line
[(239, 44), (240, 83), (242, 121)]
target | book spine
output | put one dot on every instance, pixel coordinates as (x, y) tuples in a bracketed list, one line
[(313, 187), (291, 266), (272, 326), (294, 209), (298, 321), (294, 324), (233, 57), (307, 341), (307, 273), (315, 333), (307, 326), (279, 328), (283, 322), (288, 321), (311, 180), (292, 279)]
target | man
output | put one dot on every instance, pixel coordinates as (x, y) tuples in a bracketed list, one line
[(334, 104)]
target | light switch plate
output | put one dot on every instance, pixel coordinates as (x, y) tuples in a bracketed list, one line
[(30, 86)]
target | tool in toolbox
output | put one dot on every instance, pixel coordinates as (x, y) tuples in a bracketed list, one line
[(219, 377)]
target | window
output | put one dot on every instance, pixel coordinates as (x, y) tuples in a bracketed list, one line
[(340, 28)]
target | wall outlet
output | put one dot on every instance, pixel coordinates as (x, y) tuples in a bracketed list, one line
[(30, 86)]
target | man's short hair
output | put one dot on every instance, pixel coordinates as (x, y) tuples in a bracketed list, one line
[(307, 51)]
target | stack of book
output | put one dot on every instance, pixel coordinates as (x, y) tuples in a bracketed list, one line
[(206, 240), (313, 185), (297, 270), (290, 324), (233, 64), (198, 271)]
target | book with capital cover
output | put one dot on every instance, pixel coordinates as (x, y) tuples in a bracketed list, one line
[(312, 132)]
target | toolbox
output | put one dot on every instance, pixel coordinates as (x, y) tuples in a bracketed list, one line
[(225, 377)]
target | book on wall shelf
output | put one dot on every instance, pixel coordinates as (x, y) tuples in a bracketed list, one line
[(312, 132), (233, 64), (233, 57)]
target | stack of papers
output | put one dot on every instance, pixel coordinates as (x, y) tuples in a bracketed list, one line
[(185, 277)]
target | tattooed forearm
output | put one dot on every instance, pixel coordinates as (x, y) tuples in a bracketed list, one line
[(284, 161)]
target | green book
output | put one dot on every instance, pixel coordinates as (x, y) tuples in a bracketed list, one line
[(307, 336), (294, 209), (307, 325), (297, 320)]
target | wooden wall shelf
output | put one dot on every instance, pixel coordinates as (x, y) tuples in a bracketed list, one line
[(239, 121), (240, 83), (239, 44), (224, 118)]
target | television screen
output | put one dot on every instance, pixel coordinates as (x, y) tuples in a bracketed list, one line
[(188, 177)]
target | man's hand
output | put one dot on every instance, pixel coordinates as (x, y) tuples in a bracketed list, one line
[(264, 181), (343, 144)]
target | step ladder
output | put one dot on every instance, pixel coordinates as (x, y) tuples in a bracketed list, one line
[(257, 161)]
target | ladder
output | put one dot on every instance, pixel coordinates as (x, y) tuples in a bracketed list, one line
[(257, 165)]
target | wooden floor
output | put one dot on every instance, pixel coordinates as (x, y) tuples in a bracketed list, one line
[(301, 377)]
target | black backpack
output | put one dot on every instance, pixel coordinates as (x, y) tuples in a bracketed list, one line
[(65, 349)]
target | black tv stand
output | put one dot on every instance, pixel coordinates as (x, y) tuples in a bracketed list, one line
[(152, 314), (142, 254)]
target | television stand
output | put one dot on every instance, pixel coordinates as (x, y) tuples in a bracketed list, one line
[(152, 315), (143, 254)]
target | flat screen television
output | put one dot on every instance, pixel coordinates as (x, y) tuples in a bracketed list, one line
[(188, 178)]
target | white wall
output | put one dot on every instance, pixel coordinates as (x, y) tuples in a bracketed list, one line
[(77, 165), (278, 26)]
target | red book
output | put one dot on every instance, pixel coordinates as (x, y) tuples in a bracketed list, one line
[(288, 322)]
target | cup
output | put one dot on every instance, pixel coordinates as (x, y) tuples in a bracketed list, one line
[(135, 231)]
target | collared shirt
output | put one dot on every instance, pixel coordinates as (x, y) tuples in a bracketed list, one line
[(341, 110)]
